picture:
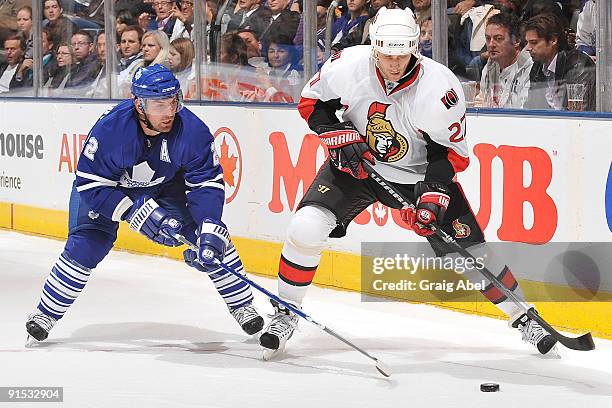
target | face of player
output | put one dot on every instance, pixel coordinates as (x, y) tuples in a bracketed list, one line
[(392, 67), (253, 46), (160, 112), (82, 46), (276, 6), (24, 21), (278, 56), (150, 49), (129, 44), (162, 8), (52, 10), (500, 46), (63, 56), (13, 51), (174, 59), (540, 50)]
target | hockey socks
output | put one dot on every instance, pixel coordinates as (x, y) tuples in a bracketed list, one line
[(234, 292), (63, 285)]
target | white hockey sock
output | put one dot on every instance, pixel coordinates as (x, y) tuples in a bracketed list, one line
[(63, 285), (234, 291)]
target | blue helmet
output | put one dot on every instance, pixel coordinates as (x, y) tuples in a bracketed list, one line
[(155, 81)]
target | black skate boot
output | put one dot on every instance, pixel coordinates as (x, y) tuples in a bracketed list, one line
[(248, 318), (38, 327), (279, 330), (533, 333)]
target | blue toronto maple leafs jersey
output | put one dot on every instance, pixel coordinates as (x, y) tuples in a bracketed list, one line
[(119, 163)]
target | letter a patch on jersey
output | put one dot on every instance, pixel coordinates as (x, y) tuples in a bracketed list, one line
[(163, 153)]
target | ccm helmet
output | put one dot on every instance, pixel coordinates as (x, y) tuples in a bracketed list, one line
[(395, 32)]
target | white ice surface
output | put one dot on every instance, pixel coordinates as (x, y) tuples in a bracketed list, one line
[(151, 332)]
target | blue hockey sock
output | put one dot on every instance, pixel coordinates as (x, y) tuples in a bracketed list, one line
[(63, 285), (234, 292)]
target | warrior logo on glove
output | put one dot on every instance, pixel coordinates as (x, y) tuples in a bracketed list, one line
[(387, 144)]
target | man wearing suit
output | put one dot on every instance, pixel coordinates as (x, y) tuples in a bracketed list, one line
[(555, 66), (251, 15), (283, 21)]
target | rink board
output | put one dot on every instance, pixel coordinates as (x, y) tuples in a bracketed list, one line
[(531, 179)]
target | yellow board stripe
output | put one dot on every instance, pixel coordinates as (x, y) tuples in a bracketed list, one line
[(337, 270)]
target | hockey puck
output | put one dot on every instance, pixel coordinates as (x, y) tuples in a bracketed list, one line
[(489, 387)]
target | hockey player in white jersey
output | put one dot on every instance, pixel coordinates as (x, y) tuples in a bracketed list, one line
[(405, 115)]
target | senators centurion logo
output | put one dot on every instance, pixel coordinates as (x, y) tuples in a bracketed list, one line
[(450, 98), (387, 144)]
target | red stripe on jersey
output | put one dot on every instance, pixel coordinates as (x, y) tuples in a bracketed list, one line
[(306, 107), (295, 274), (409, 81), (458, 162)]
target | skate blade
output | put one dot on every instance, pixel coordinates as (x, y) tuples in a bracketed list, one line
[(271, 354), (31, 342)]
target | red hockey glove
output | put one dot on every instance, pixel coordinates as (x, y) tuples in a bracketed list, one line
[(346, 148), (432, 202)]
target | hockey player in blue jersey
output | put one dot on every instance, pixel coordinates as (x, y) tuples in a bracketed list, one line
[(151, 163)]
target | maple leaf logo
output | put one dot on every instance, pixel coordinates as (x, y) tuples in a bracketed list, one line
[(228, 163), (380, 211)]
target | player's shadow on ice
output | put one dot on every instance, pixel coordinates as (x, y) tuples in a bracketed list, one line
[(195, 346)]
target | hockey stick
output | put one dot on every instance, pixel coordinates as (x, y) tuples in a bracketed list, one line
[(380, 366), (584, 342)]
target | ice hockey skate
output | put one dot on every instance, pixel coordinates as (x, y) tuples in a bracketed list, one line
[(534, 334), (38, 327), (248, 318), (279, 330)]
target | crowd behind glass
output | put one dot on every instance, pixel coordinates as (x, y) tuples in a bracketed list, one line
[(531, 54)]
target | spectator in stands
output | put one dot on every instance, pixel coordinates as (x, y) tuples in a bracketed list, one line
[(124, 19), (505, 78), (14, 46), (252, 42), (61, 26), (60, 75), (184, 22), (532, 8), (555, 65), (180, 59), (586, 29), (130, 45), (352, 23), (49, 62), (85, 66), (425, 38), (234, 50), (164, 20), (155, 46), (251, 15), (422, 10), (283, 77), (283, 21), (24, 25), (98, 88), (8, 17)]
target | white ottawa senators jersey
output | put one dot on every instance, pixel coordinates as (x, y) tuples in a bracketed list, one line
[(413, 127)]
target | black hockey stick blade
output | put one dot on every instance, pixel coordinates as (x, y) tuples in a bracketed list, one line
[(582, 343)]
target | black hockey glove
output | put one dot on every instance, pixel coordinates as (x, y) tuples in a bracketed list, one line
[(346, 148), (432, 201)]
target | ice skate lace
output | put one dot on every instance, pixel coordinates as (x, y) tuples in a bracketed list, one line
[(244, 314), (282, 325), (532, 332), (44, 321)]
